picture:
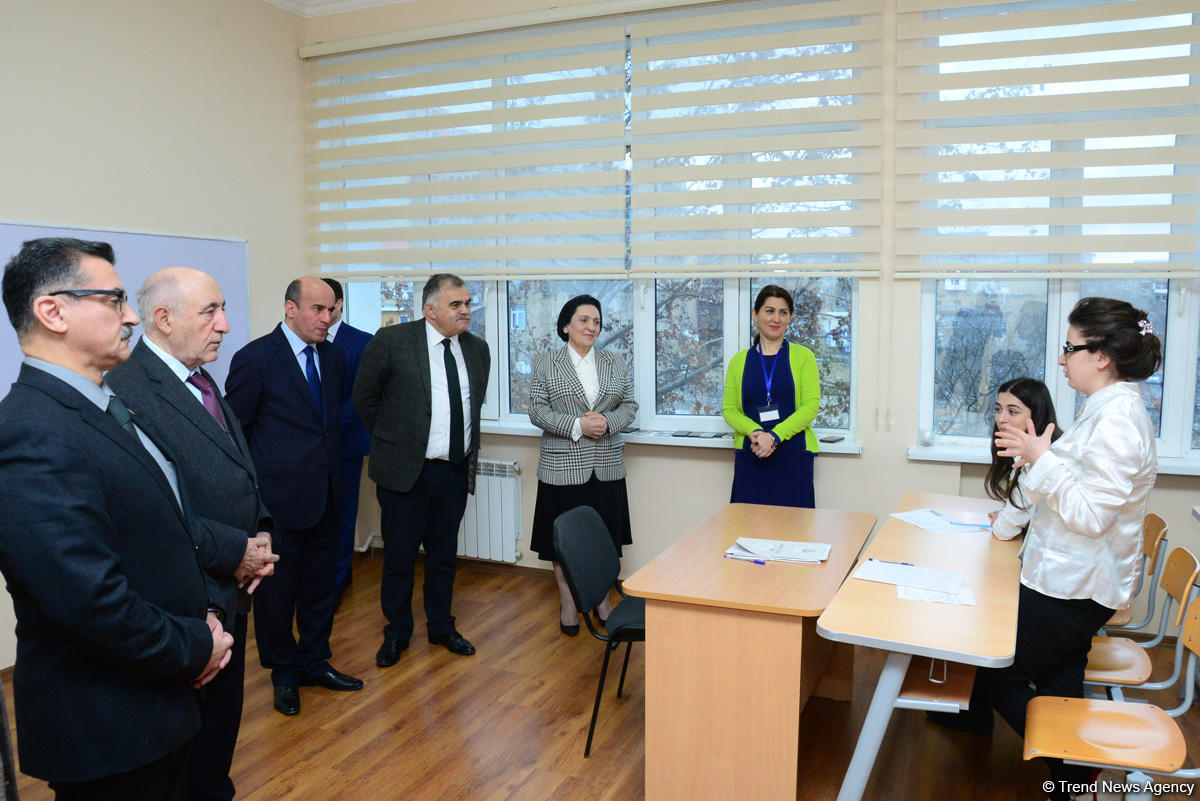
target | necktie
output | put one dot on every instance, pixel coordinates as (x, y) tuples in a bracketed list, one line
[(208, 397), (118, 412), (456, 410), (314, 380)]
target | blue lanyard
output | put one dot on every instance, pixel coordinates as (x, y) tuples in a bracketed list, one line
[(762, 361)]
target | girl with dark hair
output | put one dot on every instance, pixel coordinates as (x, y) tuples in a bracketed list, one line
[(1018, 402), (772, 395), (1088, 492), (581, 397)]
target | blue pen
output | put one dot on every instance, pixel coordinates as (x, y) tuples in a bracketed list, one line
[(957, 523), (886, 562), (740, 559)]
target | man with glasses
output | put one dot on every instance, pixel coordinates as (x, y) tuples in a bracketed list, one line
[(112, 630), (170, 393)]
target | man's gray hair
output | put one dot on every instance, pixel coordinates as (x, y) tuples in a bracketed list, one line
[(160, 290), (437, 283)]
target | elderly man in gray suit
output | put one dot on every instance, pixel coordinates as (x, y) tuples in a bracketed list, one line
[(419, 393), (174, 398)]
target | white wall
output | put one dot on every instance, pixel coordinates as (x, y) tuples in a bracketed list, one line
[(164, 116)]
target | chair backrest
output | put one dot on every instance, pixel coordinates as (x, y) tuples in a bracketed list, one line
[(588, 557), (1154, 532), (1178, 577)]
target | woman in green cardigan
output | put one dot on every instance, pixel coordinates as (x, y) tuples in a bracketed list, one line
[(772, 394)]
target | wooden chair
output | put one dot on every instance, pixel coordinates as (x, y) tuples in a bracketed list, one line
[(1136, 737), (591, 566), (1154, 543), (1116, 662)]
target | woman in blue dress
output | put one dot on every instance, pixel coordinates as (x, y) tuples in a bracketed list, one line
[(772, 395)]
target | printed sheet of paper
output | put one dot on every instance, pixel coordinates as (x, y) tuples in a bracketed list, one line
[(963, 597), (941, 523), (921, 578), (779, 550)]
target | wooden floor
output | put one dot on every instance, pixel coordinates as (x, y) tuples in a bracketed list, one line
[(510, 722)]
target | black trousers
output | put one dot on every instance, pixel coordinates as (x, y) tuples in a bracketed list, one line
[(165, 779), (301, 589), (220, 719), (1054, 636), (427, 515)]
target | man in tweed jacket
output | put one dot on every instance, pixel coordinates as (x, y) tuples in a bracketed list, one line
[(419, 392)]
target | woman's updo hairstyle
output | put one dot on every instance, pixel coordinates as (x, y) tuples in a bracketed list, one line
[(568, 311), (1120, 331)]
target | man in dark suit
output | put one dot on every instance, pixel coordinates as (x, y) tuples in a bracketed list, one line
[(173, 397), (112, 634), (356, 442), (419, 392), (285, 388)]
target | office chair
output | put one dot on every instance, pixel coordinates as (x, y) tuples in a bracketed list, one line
[(590, 565), (8, 787)]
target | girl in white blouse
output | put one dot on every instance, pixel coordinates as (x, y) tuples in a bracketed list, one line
[(1088, 492)]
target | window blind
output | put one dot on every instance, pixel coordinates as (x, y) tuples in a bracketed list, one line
[(1057, 138), (490, 156), (755, 140)]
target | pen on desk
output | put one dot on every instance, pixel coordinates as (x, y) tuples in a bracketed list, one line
[(958, 523), (886, 562), (743, 559)]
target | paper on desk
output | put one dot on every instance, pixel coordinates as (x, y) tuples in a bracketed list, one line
[(941, 523), (963, 597), (779, 550), (921, 578)]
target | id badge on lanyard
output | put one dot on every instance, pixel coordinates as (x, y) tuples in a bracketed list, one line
[(768, 412)]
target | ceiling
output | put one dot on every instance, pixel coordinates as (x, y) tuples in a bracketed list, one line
[(317, 8)]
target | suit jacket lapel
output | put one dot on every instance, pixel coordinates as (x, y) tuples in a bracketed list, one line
[(331, 399), (566, 368), (291, 367), (425, 366)]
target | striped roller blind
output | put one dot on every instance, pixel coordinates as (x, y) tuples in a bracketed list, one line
[(1047, 137), (499, 155), (755, 140)]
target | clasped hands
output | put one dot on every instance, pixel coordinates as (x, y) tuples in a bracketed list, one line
[(593, 425), (762, 443), (257, 563), (1023, 447), (222, 645)]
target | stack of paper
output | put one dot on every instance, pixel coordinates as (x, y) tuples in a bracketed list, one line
[(942, 523), (917, 583), (752, 549)]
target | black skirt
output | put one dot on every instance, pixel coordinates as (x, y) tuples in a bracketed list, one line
[(609, 498)]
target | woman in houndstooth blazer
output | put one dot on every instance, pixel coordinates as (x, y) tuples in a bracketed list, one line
[(581, 397)]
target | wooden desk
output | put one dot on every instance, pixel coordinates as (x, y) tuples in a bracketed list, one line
[(732, 653), (869, 613)]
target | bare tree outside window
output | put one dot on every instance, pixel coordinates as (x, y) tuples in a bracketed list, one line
[(689, 339)]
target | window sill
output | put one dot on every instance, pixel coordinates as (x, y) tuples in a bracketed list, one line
[(1167, 465), (678, 439)]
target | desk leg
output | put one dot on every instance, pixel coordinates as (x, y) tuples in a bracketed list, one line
[(886, 693)]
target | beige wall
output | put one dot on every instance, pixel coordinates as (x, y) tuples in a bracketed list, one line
[(165, 116)]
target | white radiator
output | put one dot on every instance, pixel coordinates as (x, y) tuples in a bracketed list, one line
[(491, 526)]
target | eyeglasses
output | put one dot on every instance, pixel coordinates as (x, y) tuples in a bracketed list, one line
[(1068, 348), (119, 294)]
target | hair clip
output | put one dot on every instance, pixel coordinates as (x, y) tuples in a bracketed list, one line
[(1145, 327)]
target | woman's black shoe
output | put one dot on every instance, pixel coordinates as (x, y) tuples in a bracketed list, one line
[(570, 631)]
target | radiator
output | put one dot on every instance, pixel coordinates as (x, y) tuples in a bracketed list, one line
[(491, 526)]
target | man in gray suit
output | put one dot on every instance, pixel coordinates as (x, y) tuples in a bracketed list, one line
[(419, 392), (173, 397)]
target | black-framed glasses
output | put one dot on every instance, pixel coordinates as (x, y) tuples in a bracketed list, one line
[(119, 294), (1068, 348)]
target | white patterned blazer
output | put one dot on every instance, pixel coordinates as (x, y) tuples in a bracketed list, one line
[(557, 400)]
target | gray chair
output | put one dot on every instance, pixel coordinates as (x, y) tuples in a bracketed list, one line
[(590, 564)]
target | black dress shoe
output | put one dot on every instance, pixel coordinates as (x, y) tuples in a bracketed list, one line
[(332, 679), (570, 631), (971, 722), (287, 700), (389, 652), (453, 642)]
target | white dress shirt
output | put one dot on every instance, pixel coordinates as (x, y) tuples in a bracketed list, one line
[(298, 346), (331, 334), (1089, 494), (175, 366), (585, 369), (439, 395)]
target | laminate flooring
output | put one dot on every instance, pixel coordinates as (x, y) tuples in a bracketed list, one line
[(509, 723)]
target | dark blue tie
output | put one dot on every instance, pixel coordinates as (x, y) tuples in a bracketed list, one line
[(314, 380)]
